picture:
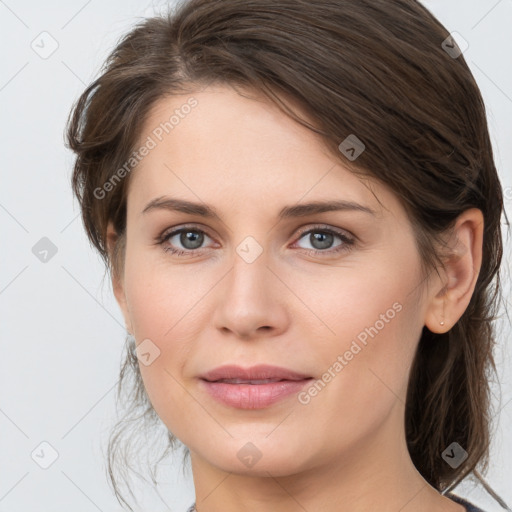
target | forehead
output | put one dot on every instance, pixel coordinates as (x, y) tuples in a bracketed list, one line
[(217, 143)]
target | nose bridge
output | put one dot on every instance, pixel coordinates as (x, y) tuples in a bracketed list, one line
[(249, 276), (248, 299)]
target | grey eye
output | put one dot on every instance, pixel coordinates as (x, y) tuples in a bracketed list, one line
[(321, 239)]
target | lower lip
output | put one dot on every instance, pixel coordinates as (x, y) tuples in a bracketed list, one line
[(253, 396)]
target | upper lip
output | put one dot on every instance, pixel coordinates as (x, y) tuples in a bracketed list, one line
[(258, 372)]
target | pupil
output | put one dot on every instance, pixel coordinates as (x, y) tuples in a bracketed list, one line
[(318, 238), (191, 236)]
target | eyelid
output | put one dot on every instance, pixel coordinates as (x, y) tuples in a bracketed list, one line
[(325, 227), (176, 229)]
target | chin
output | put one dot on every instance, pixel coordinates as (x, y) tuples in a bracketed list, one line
[(259, 457)]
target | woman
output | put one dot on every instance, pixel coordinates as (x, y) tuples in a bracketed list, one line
[(300, 211)]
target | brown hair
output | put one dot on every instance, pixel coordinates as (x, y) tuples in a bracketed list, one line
[(374, 68)]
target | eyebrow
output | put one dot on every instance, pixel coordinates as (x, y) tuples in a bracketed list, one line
[(298, 210)]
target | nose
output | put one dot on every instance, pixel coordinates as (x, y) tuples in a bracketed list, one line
[(250, 300)]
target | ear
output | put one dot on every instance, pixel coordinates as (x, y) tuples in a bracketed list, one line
[(462, 266), (113, 239)]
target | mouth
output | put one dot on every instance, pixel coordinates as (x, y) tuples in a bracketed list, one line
[(252, 388)]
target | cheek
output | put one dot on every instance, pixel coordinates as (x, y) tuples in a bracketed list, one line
[(165, 310), (366, 366), (160, 296), (375, 321)]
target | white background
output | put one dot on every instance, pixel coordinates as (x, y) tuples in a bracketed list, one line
[(61, 330)]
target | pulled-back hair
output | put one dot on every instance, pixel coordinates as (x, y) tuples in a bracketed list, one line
[(377, 69)]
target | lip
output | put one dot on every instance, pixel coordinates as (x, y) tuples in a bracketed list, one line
[(252, 396), (258, 372)]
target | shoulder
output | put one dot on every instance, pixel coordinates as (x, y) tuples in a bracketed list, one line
[(466, 504)]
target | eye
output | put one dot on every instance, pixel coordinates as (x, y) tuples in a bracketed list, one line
[(322, 240), (189, 237)]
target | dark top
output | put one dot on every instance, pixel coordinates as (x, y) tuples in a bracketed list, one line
[(468, 506)]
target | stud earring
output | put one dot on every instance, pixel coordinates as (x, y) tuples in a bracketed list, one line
[(442, 321)]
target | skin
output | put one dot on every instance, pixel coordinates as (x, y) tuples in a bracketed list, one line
[(345, 450)]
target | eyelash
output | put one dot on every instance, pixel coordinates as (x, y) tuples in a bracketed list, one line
[(347, 244)]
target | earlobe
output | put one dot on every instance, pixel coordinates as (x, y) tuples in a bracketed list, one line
[(462, 267)]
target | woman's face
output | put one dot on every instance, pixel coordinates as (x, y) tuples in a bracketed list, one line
[(336, 296)]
